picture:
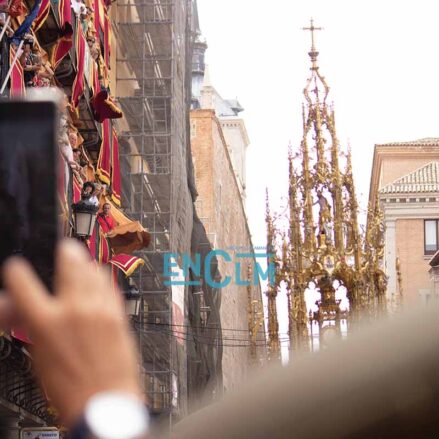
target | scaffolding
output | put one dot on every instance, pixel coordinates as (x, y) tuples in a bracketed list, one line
[(153, 90)]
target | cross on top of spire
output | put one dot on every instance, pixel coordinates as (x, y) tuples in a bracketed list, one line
[(313, 53)]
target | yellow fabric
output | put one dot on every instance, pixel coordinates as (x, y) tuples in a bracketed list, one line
[(134, 267)]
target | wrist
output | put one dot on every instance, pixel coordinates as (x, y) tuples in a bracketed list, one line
[(112, 415)]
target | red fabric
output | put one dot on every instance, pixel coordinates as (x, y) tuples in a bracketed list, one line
[(97, 17), (127, 263), (104, 160), (16, 8), (17, 78), (65, 17), (107, 223), (114, 279), (104, 248), (115, 170), (78, 84), (64, 44), (98, 246), (43, 13), (104, 107), (93, 243)]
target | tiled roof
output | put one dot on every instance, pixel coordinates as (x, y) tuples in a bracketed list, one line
[(427, 141), (425, 179)]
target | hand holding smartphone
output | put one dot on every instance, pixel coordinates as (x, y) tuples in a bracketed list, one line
[(28, 200)]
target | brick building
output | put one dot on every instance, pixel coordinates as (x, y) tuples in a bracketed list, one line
[(405, 180), (219, 141)]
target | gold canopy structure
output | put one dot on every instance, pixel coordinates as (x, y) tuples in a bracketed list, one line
[(323, 246)]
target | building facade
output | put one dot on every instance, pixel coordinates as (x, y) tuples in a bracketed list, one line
[(219, 141), (127, 118), (405, 181), (221, 209)]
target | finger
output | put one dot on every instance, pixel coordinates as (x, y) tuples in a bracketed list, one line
[(7, 312), (74, 271), (29, 296), (110, 293)]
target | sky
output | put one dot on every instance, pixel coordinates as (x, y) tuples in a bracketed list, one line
[(380, 58)]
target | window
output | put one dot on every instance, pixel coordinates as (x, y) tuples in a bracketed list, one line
[(431, 245)]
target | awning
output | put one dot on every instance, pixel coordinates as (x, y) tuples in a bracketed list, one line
[(127, 263), (128, 238)]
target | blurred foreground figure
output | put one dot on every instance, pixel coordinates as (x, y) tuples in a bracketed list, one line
[(383, 382)]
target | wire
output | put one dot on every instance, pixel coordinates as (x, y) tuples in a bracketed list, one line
[(196, 338), (205, 327)]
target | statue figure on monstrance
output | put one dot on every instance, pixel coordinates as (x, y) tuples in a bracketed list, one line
[(325, 220)]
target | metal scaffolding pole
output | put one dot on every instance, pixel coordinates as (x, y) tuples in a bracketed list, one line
[(151, 91)]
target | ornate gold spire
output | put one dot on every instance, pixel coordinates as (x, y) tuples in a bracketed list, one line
[(323, 246), (293, 269), (255, 316), (273, 324)]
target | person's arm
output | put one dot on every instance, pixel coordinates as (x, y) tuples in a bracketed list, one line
[(82, 347)]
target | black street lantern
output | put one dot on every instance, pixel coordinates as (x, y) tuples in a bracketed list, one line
[(85, 218), (132, 302)]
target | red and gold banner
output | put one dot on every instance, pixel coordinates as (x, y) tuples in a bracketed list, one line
[(43, 13), (98, 246), (108, 169), (115, 171), (17, 78), (127, 263), (99, 17), (78, 84), (64, 44), (104, 107), (104, 161)]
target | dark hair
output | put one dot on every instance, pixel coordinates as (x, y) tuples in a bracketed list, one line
[(76, 150), (106, 204), (88, 184)]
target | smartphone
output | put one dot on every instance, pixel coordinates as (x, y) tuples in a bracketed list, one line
[(28, 179)]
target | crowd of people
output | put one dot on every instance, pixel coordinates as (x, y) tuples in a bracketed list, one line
[(79, 169), (36, 66)]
